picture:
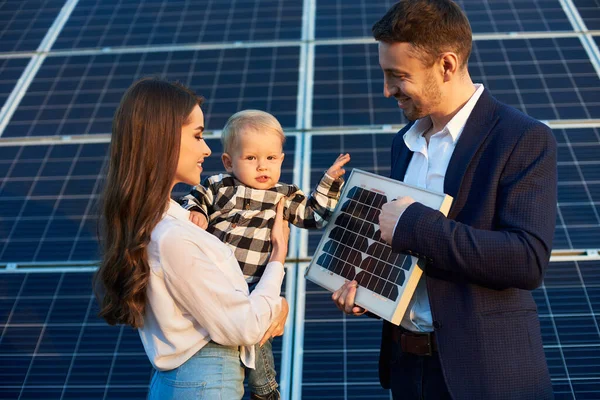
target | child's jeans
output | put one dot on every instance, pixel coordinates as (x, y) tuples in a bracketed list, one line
[(261, 379)]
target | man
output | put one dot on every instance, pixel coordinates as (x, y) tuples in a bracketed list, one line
[(471, 330)]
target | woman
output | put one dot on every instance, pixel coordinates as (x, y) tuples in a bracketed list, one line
[(179, 285)]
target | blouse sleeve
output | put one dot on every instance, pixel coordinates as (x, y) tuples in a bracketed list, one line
[(196, 280)]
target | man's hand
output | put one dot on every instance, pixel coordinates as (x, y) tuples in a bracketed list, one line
[(199, 219), (278, 325), (336, 170), (390, 213), (344, 299)]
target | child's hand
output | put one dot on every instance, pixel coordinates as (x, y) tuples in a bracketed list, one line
[(336, 170), (199, 219)]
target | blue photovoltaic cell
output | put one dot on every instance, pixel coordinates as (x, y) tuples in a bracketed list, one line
[(49, 199), (589, 10), (11, 70), (96, 23), (369, 152), (548, 79), (340, 353), (354, 18), (78, 95), (53, 345), (24, 23)]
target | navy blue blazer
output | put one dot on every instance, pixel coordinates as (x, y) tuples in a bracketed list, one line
[(487, 256)]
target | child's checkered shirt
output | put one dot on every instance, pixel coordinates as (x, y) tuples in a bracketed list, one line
[(242, 217)]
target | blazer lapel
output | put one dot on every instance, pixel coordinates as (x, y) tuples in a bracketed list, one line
[(401, 165), (401, 155), (478, 126)]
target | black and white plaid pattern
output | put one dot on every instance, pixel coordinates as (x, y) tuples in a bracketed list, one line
[(242, 217)]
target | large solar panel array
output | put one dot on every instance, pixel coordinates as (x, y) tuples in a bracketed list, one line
[(64, 65), (53, 346)]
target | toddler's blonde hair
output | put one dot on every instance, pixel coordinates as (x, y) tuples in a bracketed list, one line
[(257, 120)]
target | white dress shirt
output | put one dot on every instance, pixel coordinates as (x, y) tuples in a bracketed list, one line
[(427, 169), (197, 293)]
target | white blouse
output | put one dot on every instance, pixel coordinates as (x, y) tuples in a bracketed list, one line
[(197, 293)]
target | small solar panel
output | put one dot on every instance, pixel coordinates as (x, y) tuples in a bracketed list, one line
[(589, 10), (352, 248), (54, 346), (49, 198), (78, 95), (99, 23), (355, 18), (24, 23), (548, 79)]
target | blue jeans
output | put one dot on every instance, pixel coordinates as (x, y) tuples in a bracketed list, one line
[(261, 379), (215, 372)]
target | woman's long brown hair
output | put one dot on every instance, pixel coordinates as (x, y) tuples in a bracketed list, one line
[(144, 150)]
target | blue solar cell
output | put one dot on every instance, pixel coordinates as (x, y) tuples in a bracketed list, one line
[(47, 371), (12, 370), (98, 338), (6, 307), (19, 340), (579, 330), (59, 339)]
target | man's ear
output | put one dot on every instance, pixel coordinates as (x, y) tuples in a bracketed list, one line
[(227, 162), (449, 65), (282, 157)]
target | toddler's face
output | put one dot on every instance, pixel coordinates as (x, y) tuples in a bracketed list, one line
[(256, 160)]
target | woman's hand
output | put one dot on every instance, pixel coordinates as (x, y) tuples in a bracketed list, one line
[(278, 325), (280, 234)]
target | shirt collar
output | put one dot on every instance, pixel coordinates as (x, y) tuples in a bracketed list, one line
[(457, 123), (413, 136), (177, 212)]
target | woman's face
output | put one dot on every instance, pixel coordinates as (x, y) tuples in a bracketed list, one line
[(193, 149)]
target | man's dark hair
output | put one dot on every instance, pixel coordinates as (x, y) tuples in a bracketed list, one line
[(430, 26)]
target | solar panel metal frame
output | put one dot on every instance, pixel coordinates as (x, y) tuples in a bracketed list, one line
[(377, 303)]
